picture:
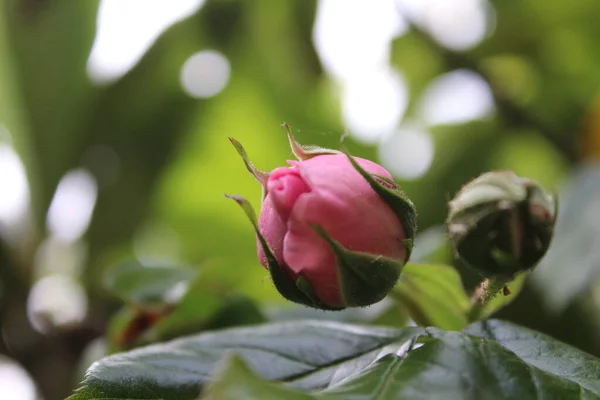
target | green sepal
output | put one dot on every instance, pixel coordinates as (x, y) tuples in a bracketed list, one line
[(402, 206), (261, 176), (304, 152), (289, 289), (364, 279)]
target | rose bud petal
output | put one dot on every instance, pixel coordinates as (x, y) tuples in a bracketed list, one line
[(334, 231), (501, 224)]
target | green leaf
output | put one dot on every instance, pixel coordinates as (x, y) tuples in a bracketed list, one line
[(565, 367), (489, 360), (148, 285), (432, 246), (432, 295), (238, 382), (309, 354), (456, 366)]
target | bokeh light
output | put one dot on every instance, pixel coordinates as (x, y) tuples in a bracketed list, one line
[(15, 382), (54, 301), (71, 209), (457, 24), (127, 29), (14, 190), (353, 36), (408, 153), (54, 255), (456, 97), (374, 95), (373, 105), (205, 74)]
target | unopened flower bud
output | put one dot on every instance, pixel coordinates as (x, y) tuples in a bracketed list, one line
[(334, 231), (501, 224)]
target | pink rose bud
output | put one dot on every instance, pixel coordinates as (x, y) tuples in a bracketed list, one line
[(334, 231)]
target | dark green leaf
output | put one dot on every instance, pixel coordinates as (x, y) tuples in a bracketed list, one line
[(310, 354), (238, 382), (567, 366), (489, 360)]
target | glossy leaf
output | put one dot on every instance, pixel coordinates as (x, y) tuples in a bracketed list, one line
[(489, 360), (568, 368), (311, 354), (238, 382), (432, 295)]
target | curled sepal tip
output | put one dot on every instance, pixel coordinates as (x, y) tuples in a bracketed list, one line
[(261, 176), (364, 279), (402, 206), (304, 152), (298, 292)]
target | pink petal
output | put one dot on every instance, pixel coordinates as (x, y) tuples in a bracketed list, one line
[(284, 186), (343, 203), (273, 229)]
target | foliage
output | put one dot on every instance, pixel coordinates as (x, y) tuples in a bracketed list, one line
[(165, 255), (491, 359)]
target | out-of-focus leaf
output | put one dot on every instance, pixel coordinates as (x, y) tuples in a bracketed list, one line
[(153, 315), (237, 311), (118, 324), (149, 285), (11, 99), (490, 360), (49, 65), (432, 295), (197, 313), (432, 246), (571, 264)]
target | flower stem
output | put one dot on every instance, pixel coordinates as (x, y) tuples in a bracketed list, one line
[(485, 291)]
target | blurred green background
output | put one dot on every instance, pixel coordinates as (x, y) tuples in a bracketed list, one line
[(114, 119)]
